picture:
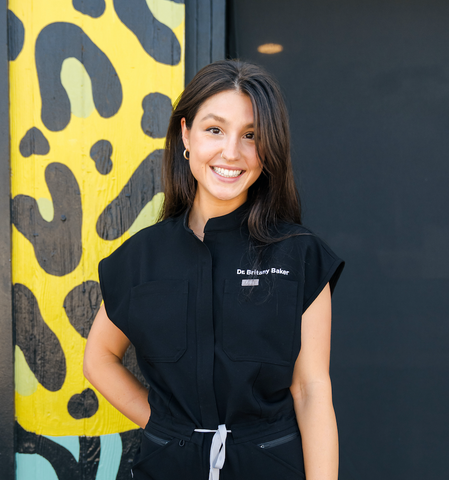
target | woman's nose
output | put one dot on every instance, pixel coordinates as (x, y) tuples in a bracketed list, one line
[(231, 150)]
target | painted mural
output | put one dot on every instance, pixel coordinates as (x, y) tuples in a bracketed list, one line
[(92, 83)]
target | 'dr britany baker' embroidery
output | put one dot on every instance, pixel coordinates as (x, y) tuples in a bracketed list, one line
[(278, 271)]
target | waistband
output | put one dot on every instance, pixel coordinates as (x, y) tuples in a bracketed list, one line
[(240, 433)]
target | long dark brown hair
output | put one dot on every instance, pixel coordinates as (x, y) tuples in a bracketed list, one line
[(273, 198)]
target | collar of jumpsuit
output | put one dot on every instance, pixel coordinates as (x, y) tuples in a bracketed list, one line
[(217, 351)]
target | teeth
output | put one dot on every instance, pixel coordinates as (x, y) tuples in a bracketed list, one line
[(224, 172)]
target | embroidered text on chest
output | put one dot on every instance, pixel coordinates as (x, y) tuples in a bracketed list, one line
[(278, 271)]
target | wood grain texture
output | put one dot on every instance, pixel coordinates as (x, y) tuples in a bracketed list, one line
[(6, 343), (89, 102), (205, 34), (104, 125)]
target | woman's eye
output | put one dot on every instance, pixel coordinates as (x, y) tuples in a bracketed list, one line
[(214, 130), (250, 135)]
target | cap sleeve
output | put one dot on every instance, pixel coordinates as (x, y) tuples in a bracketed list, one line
[(114, 291), (321, 266)]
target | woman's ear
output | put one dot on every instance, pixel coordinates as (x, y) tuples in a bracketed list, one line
[(185, 133)]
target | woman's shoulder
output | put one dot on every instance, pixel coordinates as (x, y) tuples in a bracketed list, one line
[(319, 264), (295, 232), (305, 239), (156, 230), (143, 239)]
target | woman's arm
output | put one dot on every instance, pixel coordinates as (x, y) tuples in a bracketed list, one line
[(312, 392), (103, 367)]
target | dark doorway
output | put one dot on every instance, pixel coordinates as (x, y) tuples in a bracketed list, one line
[(367, 87)]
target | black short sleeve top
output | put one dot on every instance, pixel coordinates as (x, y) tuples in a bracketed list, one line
[(216, 332)]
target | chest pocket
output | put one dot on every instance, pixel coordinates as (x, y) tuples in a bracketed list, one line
[(157, 319), (260, 325)]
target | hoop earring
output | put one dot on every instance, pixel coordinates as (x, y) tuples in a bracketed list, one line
[(186, 154)]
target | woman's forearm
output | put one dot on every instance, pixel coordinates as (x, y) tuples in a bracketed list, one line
[(119, 386), (316, 420), (105, 348)]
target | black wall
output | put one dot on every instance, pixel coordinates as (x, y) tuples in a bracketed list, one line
[(367, 87)]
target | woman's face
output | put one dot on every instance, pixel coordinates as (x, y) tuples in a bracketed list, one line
[(223, 157)]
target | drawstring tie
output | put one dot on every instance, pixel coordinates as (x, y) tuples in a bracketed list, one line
[(217, 450)]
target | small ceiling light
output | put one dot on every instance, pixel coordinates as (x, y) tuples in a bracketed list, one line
[(270, 48)]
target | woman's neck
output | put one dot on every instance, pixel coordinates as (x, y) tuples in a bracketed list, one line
[(203, 210)]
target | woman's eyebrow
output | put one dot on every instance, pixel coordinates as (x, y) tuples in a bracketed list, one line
[(223, 120), (215, 117)]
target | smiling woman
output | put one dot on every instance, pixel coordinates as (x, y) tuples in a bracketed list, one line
[(222, 154), (239, 107), (227, 300)]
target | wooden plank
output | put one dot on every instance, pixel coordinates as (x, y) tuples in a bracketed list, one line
[(219, 29), (6, 337), (205, 34), (77, 185)]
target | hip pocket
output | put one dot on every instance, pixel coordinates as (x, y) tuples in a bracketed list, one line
[(278, 441), (151, 444), (260, 326), (275, 456), (149, 450), (158, 319), (155, 439), (163, 456), (286, 450)]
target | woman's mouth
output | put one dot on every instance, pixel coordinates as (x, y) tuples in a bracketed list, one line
[(227, 173)]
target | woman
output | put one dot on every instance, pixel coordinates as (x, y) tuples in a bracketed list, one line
[(227, 300)]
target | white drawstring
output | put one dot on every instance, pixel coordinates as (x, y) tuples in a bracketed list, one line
[(217, 450)]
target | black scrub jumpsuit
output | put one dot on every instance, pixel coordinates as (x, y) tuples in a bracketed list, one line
[(217, 341)]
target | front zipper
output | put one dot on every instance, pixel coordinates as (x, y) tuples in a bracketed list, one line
[(153, 438), (278, 441)]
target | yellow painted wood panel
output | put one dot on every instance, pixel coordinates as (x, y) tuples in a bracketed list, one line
[(39, 409)]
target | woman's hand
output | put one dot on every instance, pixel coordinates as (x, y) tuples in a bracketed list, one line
[(312, 392), (103, 367)]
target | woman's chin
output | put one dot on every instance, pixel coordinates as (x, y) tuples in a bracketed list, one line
[(230, 197)]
